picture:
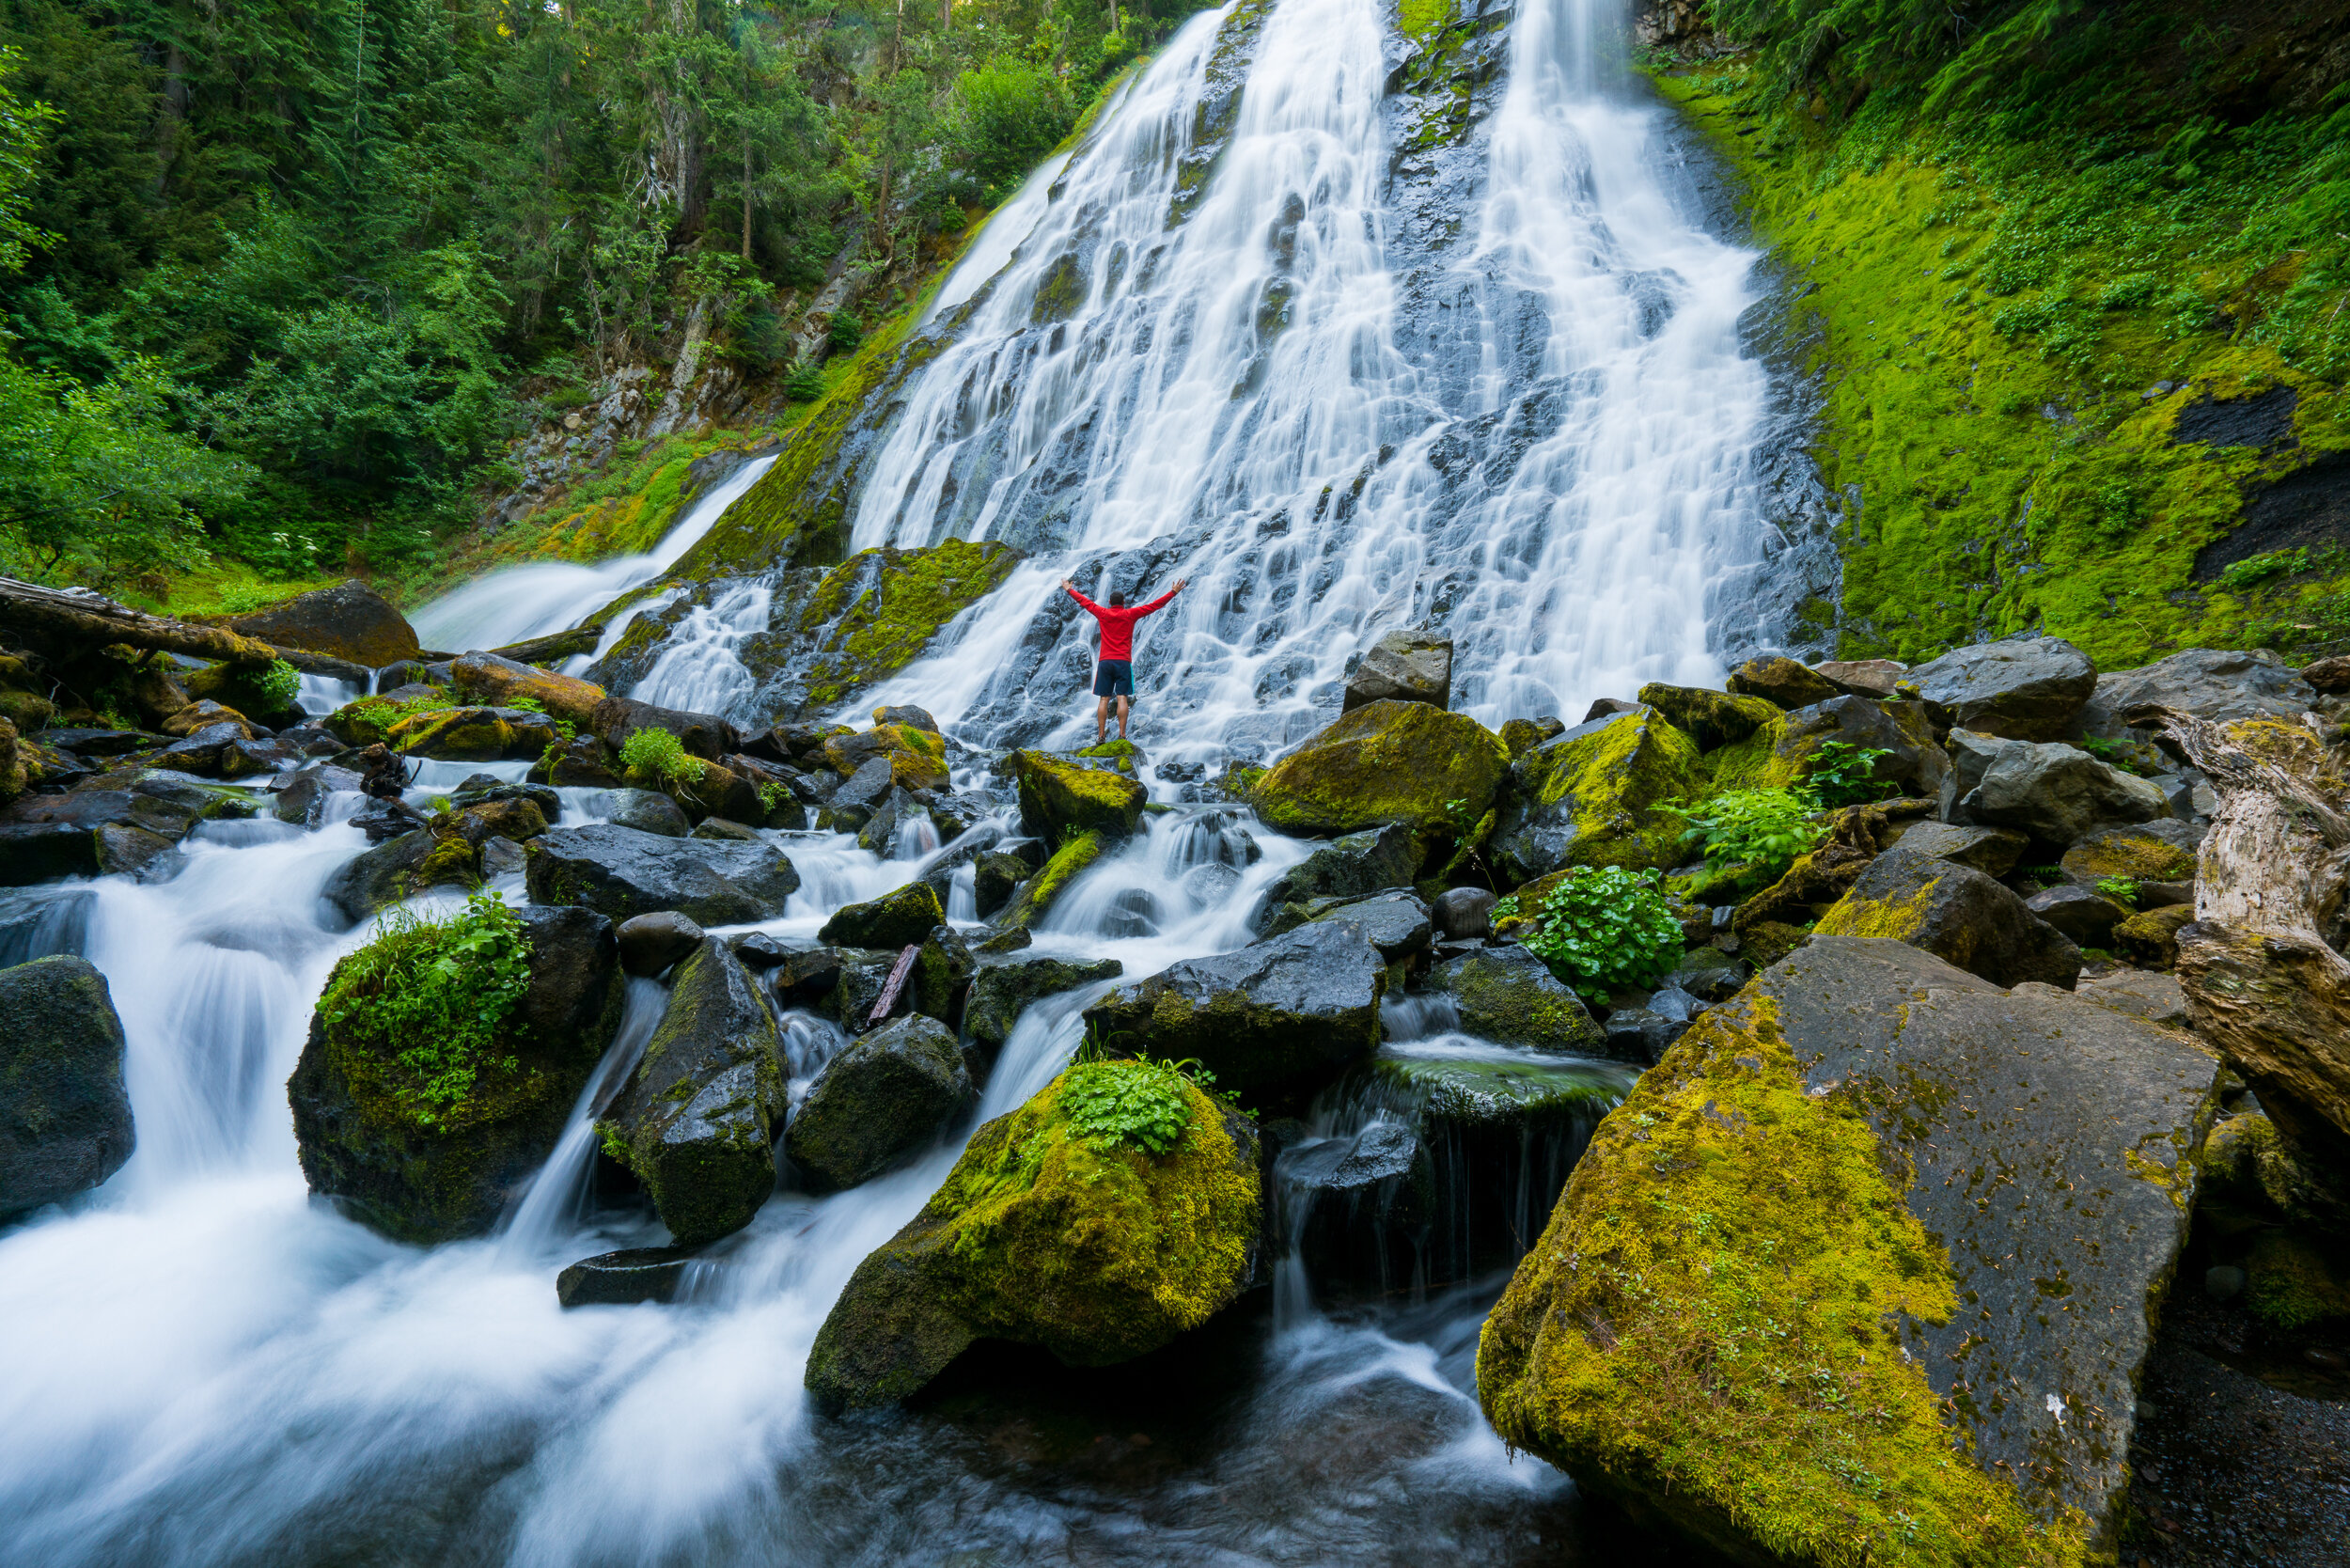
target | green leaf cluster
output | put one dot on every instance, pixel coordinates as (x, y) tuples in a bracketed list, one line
[(2120, 890), (437, 990), (1139, 1101), (1840, 773), (281, 684), (657, 754), (1601, 930), (1764, 828)]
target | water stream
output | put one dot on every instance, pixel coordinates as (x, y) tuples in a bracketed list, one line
[(200, 1366)]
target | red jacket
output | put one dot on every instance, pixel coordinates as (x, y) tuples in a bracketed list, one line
[(1118, 626)]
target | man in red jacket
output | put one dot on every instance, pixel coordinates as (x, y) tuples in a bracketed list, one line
[(1115, 675)]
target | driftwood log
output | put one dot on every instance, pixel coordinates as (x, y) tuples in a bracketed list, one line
[(95, 621), (2265, 981)]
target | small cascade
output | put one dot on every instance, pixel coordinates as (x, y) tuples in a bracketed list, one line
[(699, 670), (556, 1206)]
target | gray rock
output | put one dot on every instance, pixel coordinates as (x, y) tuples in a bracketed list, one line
[(2147, 993), (647, 811), (651, 942), (1002, 992), (848, 809), (377, 878), (501, 857), (301, 799), (2080, 913), (1959, 914), (1992, 850), (622, 871), (485, 789), (1355, 865), (863, 973), (202, 753), (1396, 922), (1672, 1003), (1272, 1014), (65, 1113), (1402, 667), (1708, 974), (992, 879), (2027, 689), (725, 831), (1911, 758), (624, 1278), (2223, 1281), (1863, 676), (1640, 1034), (2049, 791), (1464, 913), (2209, 683), (1508, 995), (699, 1118), (896, 919), (883, 1098)]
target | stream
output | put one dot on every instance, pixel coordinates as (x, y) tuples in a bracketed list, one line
[(200, 1366)]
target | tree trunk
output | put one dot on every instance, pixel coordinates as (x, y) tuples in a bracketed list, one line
[(2264, 980), (91, 619)]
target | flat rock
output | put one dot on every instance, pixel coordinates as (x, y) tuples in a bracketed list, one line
[(896, 919), (623, 872), (1397, 921), (624, 1278)]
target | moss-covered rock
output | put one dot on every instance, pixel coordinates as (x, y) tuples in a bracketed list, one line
[(2160, 850), (698, 1121), (917, 758), (1060, 795), (1031, 900), (64, 1111), (1002, 992), (473, 734), (2295, 1281), (496, 681), (896, 919), (1591, 798), (2151, 938), (418, 1170), (1820, 1290), (884, 1097), (1510, 995), (1781, 682), (1957, 914), (1126, 756), (400, 868), (349, 620), (1405, 763), (1713, 719), (1089, 1246), (1522, 735)]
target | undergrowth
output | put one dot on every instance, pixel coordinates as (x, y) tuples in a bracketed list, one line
[(657, 755), (1601, 930), (437, 990)]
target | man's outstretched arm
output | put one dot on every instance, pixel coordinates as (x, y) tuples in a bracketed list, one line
[(1079, 597), (1163, 598)]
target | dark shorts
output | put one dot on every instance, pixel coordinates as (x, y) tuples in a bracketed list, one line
[(1114, 678)]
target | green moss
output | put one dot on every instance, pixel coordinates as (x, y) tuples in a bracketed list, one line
[(1386, 763), (1071, 861), (2294, 1282), (1712, 1321), (656, 760), (2137, 857), (369, 720), (1985, 370), (1421, 19), (880, 610), (1895, 919), (1610, 786), (1059, 797), (1124, 753)]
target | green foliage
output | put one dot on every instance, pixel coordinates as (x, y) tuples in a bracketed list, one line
[(772, 796), (1601, 930), (2251, 573), (281, 684), (1139, 1101), (1765, 829), (1007, 115), (657, 754), (438, 990), (1840, 773), (242, 598), (2120, 890)]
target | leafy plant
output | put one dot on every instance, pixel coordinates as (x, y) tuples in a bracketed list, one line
[(2252, 572), (1602, 929), (2120, 890), (658, 754), (281, 684), (438, 990), (242, 598), (2115, 754), (772, 795), (1140, 1102), (1765, 829), (1842, 773)]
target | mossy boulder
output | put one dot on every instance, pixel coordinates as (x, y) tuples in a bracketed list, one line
[(1353, 867), (436, 855), (1522, 735), (1123, 755), (1958, 915), (2151, 938), (496, 682), (2295, 1281), (419, 1171), (2164, 850), (896, 919), (65, 1110), (917, 758), (349, 620), (369, 720), (1089, 1246), (698, 1121), (1781, 681), (1032, 899), (473, 734), (1713, 719), (1402, 667), (1002, 992), (1275, 1014), (1060, 795), (243, 689), (1508, 995), (1825, 1289), (621, 872), (1386, 763), (883, 1099), (1591, 797)]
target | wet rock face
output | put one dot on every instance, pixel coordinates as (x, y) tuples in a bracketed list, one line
[(1508, 995), (1402, 667), (2052, 792), (2027, 689), (1396, 922), (651, 942), (1960, 916), (349, 620), (1355, 865), (893, 921), (648, 811), (2000, 1179), (64, 1114), (625, 1278), (882, 1100), (698, 1121), (1002, 992), (621, 872), (1060, 795), (1088, 1247), (435, 1180), (1268, 1015)]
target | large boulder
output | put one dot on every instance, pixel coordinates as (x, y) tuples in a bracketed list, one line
[(1711, 718), (1353, 867), (1270, 1015), (1402, 667), (2025, 689), (1510, 995), (65, 1113), (1780, 681), (1000, 992), (473, 734), (2163, 849), (1866, 1269), (2051, 791), (883, 1099), (2215, 686), (1054, 1234), (896, 919), (1061, 795), (1396, 922), (1957, 914), (376, 1127), (622, 872), (917, 757), (703, 735), (698, 1121), (349, 620), (1900, 729), (496, 682), (1591, 797), (1407, 764), (1992, 850), (436, 855)]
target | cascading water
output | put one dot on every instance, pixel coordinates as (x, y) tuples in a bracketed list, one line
[(1333, 418)]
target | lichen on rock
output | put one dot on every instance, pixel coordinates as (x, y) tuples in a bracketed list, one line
[(1591, 797), (1405, 763)]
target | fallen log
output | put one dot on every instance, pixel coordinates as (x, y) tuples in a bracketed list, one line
[(2265, 981), (94, 621), (561, 645)]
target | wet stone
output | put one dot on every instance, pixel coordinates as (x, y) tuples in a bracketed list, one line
[(625, 1278)]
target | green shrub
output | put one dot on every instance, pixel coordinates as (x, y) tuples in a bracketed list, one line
[(2239, 576), (1139, 1101), (1601, 930), (437, 989), (845, 331), (242, 598), (804, 384), (1765, 829), (2120, 890), (1840, 773), (281, 684), (1007, 115), (658, 754)]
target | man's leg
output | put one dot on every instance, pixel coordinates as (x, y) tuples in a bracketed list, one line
[(1101, 720), (1123, 704)]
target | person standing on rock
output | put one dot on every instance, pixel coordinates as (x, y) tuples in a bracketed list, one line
[(1115, 675)]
